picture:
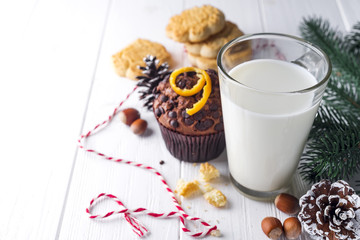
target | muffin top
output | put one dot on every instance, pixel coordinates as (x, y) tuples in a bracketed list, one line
[(170, 108)]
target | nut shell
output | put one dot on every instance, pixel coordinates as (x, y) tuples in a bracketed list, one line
[(287, 203), (138, 126), (272, 227), (129, 115), (292, 228)]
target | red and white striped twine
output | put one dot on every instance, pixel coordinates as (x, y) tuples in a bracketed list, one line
[(136, 225)]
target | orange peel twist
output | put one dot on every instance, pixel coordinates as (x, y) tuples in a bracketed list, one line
[(204, 82)]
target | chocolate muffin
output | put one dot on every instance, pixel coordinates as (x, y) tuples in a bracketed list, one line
[(196, 138)]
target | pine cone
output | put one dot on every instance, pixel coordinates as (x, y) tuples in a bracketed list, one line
[(153, 75), (331, 211)]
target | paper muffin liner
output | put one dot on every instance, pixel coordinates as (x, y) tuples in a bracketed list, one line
[(193, 148)]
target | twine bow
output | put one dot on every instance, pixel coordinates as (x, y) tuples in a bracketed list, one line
[(137, 227)]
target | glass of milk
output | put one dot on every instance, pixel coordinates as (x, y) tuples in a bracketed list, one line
[(271, 87)]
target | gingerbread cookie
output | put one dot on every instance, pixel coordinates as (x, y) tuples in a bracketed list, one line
[(195, 24), (211, 46), (126, 61)]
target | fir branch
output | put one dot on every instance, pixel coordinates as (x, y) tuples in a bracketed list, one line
[(353, 40), (333, 149), (318, 31), (343, 92), (334, 155), (332, 119)]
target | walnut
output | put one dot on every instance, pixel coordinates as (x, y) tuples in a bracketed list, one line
[(331, 211)]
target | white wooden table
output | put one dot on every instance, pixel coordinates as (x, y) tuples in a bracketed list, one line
[(57, 82)]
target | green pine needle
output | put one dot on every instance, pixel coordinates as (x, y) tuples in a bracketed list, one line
[(331, 41), (333, 149), (353, 40)]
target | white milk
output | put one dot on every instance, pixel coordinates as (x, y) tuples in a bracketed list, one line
[(266, 133)]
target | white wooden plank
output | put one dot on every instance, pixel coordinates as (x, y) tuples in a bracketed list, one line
[(244, 13), (50, 50), (53, 45), (285, 16), (350, 12), (92, 175)]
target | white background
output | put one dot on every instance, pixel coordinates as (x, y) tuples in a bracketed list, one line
[(57, 82)]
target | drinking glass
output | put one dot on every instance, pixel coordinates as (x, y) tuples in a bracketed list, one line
[(266, 127)]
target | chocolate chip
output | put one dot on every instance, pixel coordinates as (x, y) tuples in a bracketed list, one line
[(158, 112), (198, 116), (161, 162), (174, 103), (170, 106), (215, 114), (219, 127), (163, 98), (184, 114), (204, 125), (172, 114), (174, 123), (161, 110), (200, 126), (181, 84), (191, 74), (213, 107), (208, 123), (189, 121)]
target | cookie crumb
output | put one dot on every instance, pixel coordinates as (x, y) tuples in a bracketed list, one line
[(208, 172), (186, 189), (216, 198)]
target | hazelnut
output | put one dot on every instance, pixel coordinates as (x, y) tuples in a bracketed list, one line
[(287, 203), (129, 115), (272, 227), (138, 126), (292, 228)]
